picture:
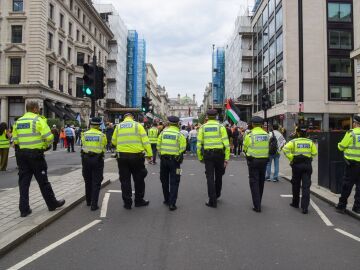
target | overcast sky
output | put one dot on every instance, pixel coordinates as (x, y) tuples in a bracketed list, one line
[(179, 36)]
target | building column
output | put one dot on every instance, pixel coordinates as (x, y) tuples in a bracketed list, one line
[(4, 110), (326, 122)]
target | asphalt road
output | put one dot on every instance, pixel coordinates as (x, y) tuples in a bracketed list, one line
[(59, 162), (196, 237)]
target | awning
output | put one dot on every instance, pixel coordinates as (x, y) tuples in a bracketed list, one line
[(71, 112), (53, 108), (66, 114)]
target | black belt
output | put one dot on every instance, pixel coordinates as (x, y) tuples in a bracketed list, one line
[(220, 151), (93, 154), (168, 157), (39, 151), (130, 155)]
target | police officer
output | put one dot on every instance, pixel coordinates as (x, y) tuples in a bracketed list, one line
[(132, 144), (213, 149), (171, 146), (33, 137), (256, 149), (93, 147), (350, 145), (153, 134), (300, 152)]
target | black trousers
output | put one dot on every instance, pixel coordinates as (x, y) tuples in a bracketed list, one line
[(257, 168), (154, 151), (32, 163), (214, 170), (70, 142), (93, 173), (351, 178), (132, 165), (170, 179), (55, 145), (301, 177)]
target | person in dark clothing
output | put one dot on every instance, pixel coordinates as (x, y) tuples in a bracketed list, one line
[(56, 134), (229, 132), (235, 140), (109, 132)]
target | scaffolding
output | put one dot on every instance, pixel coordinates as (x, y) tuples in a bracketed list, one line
[(218, 76)]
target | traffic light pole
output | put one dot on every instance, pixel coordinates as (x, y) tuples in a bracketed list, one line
[(92, 114)]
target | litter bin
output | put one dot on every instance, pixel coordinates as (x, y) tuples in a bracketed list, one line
[(331, 161)]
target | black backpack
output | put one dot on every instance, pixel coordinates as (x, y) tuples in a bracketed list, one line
[(273, 146)]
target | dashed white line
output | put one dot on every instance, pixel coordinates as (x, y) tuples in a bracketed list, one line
[(348, 234), (286, 196), (53, 246), (321, 214), (104, 205), (6, 189), (114, 191)]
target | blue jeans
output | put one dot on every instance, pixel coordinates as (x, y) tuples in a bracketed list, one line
[(193, 145), (276, 158)]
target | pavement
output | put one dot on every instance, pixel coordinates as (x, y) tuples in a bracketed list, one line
[(195, 236)]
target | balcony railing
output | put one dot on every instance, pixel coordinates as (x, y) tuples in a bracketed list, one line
[(51, 83), (14, 80)]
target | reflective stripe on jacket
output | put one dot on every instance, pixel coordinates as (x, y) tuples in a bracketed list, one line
[(4, 142), (31, 131), (171, 142), (300, 147), (94, 141), (350, 145), (256, 143), (153, 134)]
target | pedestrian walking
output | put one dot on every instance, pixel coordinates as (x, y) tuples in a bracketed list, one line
[(70, 136), (56, 134), (171, 145), (193, 139), (33, 136), (92, 158), (186, 135), (132, 145), (5, 137), (235, 141), (213, 149), (153, 134), (300, 152), (62, 137), (350, 145), (256, 148), (277, 140), (109, 132)]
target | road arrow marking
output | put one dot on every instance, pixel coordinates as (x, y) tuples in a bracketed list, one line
[(53, 246)]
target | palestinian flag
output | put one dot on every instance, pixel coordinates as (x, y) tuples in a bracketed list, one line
[(231, 111)]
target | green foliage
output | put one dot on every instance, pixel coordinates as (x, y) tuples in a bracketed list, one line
[(202, 118), (72, 122), (54, 121)]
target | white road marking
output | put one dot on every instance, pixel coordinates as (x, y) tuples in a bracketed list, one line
[(114, 191), (108, 159), (191, 174), (286, 196), (6, 189), (104, 205), (348, 234), (53, 246), (153, 173), (231, 175), (321, 214)]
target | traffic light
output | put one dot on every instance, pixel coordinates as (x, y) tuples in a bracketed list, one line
[(100, 85), (89, 80), (265, 102), (145, 104)]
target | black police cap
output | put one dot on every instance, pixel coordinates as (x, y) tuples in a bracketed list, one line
[(173, 119), (303, 128), (95, 121), (257, 120), (356, 118), (128, 114), (211, 112)]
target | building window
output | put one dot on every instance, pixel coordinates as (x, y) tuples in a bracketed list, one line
[(80, 58), (266, 36), (70, 82), (279, 44), (272, 52), (260, 67), (18, 5), (265, 15), (61, 80), (339, 39), (70, 29), (71, 4), (90, 26), (79, 87), (278, 2), (279, 95), (78, 13), (99, 57), (271, 7), (61, 21), (60, 51), (69, 54), (266, 80), (265, 59), (95, 32), (279, 19), (16, 33), (51, 75), (340, 67), (84, 18), (95, 50), (51, 11), (279, 71), (272, 76), (341, 92), (77, 35), (15, 70), (83, 38), (339, 12), (271, 28), (50, 40), (272, 97), (88, 58)]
